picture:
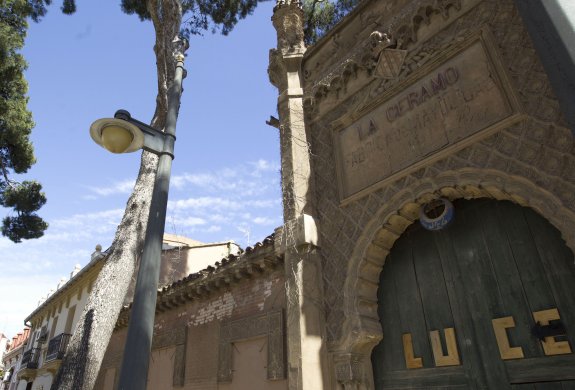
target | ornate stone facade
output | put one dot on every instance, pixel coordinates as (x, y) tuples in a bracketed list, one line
[(384, 50), (404, 102)]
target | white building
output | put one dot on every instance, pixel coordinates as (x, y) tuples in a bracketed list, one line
[(11, 360), (56, 316)]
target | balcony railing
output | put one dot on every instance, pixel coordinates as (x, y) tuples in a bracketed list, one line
[(30, 359), (57, 347)]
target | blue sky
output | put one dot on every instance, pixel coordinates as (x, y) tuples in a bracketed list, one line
[(225, 178)]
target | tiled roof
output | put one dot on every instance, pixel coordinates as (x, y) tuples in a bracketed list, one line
[(256, 259), (19, 339)]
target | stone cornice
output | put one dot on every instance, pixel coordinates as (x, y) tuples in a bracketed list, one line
[(362, 56), (254, 261), (397, 33)]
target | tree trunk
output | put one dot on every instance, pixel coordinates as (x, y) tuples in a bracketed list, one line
[(88, 344)]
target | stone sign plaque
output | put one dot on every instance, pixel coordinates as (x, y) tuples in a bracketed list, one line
[(451, 102)]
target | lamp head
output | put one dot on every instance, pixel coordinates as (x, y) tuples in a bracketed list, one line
[(117, 135)]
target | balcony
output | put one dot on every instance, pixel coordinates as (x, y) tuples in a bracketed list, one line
[(30, 359), (57, 347), (29, 364), (56, 350)]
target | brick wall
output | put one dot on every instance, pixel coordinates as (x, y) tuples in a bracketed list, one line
[(196, 324)]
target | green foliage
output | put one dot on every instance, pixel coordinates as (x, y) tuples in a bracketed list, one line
[(23, 226), (202, 15), (322, 15), (35, 9), (16, 151), (26, 197)]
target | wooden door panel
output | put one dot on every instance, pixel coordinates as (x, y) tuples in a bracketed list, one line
[(568, 385), (471, 359), (480, 291), (549, 386), (513, 299), (453, 377), (411, 311), (549, 368), (558, 261), (532, 273), (496, 260), (431, 284), (391, 357)]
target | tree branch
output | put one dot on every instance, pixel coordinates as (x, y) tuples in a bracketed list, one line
[(5, 174)]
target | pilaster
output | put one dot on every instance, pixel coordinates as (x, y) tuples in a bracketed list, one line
[(297, 239)]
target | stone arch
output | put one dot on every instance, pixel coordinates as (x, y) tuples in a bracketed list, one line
[(361, 330)]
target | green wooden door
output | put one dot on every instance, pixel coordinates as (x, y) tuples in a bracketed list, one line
[(458, 306)]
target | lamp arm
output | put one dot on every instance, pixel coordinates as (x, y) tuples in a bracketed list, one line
[(155, 141)]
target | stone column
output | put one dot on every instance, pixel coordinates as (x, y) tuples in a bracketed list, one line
[(297, 239)]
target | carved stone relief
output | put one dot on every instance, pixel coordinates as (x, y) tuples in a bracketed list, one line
[(350, 370), (525, 164), (270, 324), (447, 104), (380, 55), (531, 162)]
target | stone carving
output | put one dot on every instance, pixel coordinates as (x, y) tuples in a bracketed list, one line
[(365, 56), (269, 324), (390, 63), (540, 150), (371, 55), (528, 160), (277, 70), (450, 103), (288, 22), (482, 169), (349, 371)]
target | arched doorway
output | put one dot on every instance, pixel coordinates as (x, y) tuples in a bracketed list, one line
[(459, 307)]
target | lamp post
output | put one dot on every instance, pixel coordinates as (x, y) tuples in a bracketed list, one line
[(124, 134)]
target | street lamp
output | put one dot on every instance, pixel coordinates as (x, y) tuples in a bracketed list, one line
[(124, 134)]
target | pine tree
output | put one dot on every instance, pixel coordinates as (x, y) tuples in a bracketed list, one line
[(16, 151), (87, 346), (322, 15)]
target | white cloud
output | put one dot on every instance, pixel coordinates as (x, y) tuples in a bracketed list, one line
[(213, 229), (264, 203), (121, 187), (205, 202), (96, 225), (190, 221), (265, 221), (219, 218), (248, 179), (262, 166), (242, 203), (82, 219)]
